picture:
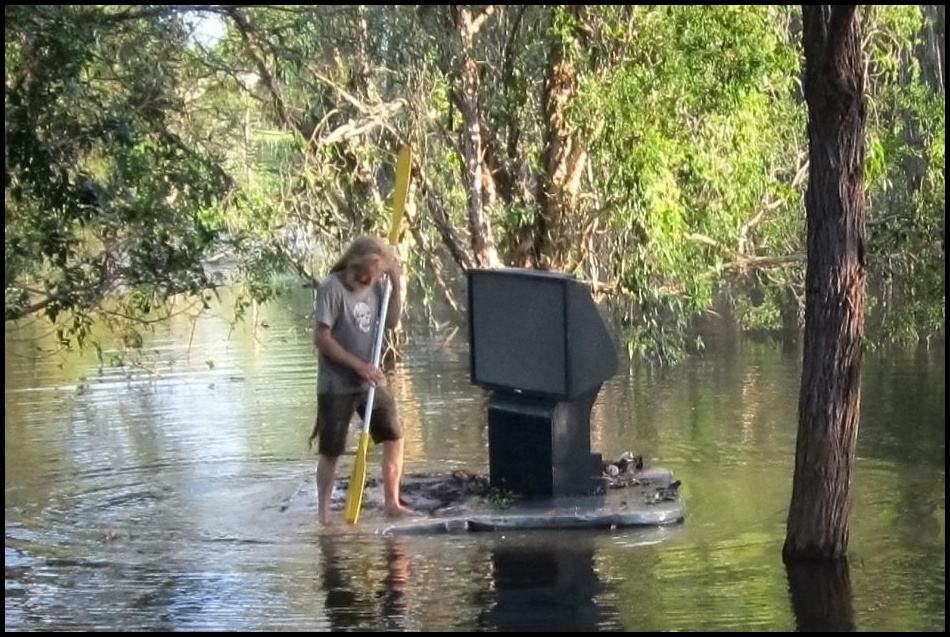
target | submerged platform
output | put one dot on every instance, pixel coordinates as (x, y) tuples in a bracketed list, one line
[(645, 498), (463, 502), (648, 498)]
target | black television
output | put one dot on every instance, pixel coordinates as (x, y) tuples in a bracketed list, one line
[(536, 333)]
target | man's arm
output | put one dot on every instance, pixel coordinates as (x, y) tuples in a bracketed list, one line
[(330, 348), (395, 298)]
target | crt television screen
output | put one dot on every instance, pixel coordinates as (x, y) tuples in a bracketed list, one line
[(518, 330)]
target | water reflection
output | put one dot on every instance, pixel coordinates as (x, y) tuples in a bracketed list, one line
[(363, 598), (139, 501), (543, 585), (395, 585), (345, 608), (821, 596)]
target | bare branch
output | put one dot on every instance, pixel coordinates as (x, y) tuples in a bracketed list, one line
[(355, 129), (257, 54), (295, 262), (442, 222), (339, 89), (759, 263)]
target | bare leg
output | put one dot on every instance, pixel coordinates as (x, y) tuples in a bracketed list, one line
[(392, 475), (326, 476)]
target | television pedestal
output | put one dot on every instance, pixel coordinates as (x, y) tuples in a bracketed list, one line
[(539, 447)]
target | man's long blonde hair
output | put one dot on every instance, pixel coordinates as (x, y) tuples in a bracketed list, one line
[(363, 252)]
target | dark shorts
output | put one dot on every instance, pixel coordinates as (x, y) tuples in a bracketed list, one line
[(333, 419)]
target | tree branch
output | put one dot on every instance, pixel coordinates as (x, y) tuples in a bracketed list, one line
[(479, 20), (257, 54)]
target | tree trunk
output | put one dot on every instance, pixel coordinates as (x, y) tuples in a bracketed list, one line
[(564, 158), (829, 400), (931, 56), (483, 245)]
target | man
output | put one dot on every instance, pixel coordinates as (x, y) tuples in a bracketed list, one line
[(347, 305)]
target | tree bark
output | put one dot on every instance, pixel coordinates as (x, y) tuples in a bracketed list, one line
[(483, 244), (564, 158), (829, 399), (931, 56)]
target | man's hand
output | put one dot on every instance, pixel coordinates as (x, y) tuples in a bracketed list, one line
[(395, 272), (370, 373), (325, 342)]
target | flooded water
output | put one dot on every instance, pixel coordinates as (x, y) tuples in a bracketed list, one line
[(154, 499)]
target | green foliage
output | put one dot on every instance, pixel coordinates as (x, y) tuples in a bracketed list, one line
[(701, 165), (906, 182), (103, 194), (134, 155), (701, 135)]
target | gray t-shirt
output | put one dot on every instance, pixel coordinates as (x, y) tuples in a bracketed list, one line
[(352, 321)]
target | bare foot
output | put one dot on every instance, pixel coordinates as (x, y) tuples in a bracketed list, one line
[(399, 512), (332, 528)]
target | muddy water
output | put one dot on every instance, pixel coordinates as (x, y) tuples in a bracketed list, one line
[(179, 496)]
